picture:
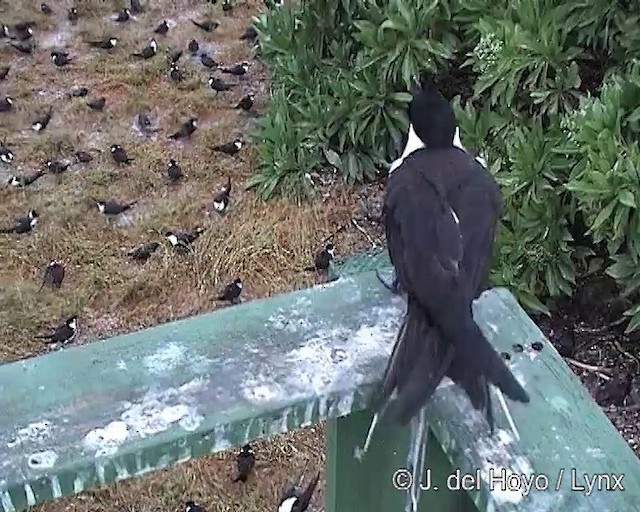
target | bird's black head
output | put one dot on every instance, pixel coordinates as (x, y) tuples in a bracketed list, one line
[(246, 449), (431, 115), (237, 281), (33, 214), (189, 505)]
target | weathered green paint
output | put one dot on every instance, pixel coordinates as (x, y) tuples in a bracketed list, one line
[(204, 384), (368, 485)]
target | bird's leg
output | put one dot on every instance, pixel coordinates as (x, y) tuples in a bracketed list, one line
[(394, 286), (359, 453), (416, 459), (332, 275)]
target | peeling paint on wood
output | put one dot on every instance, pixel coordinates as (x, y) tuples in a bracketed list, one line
[(146, 400)]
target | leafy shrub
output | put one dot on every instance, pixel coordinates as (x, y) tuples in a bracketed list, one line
[(545, 89)]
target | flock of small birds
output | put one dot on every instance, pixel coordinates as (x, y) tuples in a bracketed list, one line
[(22, 37)]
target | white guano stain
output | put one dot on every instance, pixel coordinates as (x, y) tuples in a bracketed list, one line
[(499, 462), (165, 359), (33, 432), (42, 460), (156, 412), (331, 358)]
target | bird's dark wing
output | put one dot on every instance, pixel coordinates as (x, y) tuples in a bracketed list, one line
[(426, 238), (425, 247), (482, 205), (305, 497)]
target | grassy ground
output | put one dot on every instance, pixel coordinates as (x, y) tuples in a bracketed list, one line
[(265, 244)]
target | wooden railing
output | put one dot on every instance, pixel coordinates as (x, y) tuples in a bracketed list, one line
[(122, 407)]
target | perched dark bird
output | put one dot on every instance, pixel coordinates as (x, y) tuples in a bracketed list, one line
[(78, 91), (230, 148), (148, 51), (174, 56), (24, 25), (322, 259), (111, 208), (6, 155), (227, 6), (186, 130), (237, 69), (181, 240), (23, 224), (97, 103), (83, 157), (245, 461), (45, 9), (245, 103), (64, 333), (441, 209), (250, 34), (119, 155), (162, 29), (122, 15), (175, 73), (23, 31), (193, 47), (60, 58), (42, 121), (136, 7), (174, 172), (191, 506), (144, 251), (218, 85), (4, 72), (56, 166), (26, 180), (207, 61), (221, 200), (207, 25), (104, 44), (295, 499), (232, 291), (53, 275), (6, 104), (72, 14), (25, 47)]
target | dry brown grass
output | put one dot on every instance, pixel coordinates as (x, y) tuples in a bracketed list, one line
[(265, 244)]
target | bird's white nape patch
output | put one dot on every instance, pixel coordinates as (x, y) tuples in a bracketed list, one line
[(456, 140), (287, 505), (73, 324), (218, 206), (173, 239), (413, 144), (239, 285)]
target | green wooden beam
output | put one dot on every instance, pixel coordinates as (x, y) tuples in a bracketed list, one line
[(132, 404)]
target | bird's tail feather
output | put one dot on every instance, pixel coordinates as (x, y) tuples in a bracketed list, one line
[(41, 287), (419, 362), (475, 385), (45, 337), (474, 353), (7, 230)]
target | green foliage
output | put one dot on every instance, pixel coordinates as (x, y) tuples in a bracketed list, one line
[(544, 89)]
